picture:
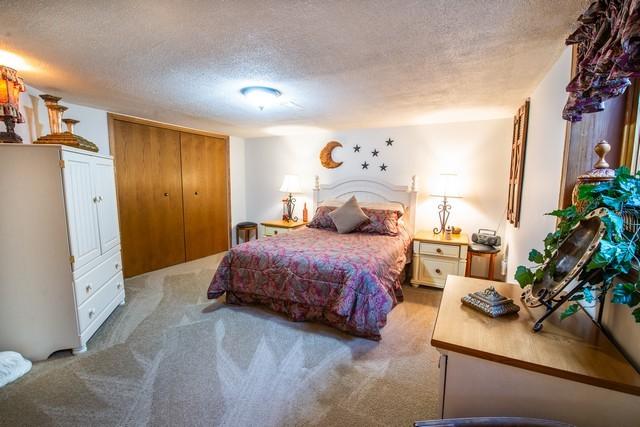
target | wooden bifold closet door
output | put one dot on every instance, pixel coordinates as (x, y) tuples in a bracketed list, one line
[(172, 194), (204, 189)]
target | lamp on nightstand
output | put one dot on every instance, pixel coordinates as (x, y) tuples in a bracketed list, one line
[(290, 185), (447, 188)]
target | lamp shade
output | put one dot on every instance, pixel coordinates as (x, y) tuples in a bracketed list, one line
[(10, 87), (447, 185), (290, 184)]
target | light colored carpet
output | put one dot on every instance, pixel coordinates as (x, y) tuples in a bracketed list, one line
[(170, 357)]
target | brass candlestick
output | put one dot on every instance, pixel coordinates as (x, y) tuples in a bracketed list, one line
[(57, 136), (70, 124)]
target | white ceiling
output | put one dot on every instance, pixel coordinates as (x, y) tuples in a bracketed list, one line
[(348, 64)]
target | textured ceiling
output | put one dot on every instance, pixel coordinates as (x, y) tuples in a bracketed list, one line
[(340, 64)]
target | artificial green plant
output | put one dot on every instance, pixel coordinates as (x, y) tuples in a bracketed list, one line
[(617, 251)]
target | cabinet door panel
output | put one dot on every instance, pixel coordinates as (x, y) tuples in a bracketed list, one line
[(80, 202), (148, 177), (105, 189), (205, 194)]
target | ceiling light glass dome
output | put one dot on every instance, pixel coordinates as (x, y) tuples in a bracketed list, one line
[(261, 96)]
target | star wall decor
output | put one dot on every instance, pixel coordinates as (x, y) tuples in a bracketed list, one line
[(365, 165), (375, 153), (356, 148), (383, 168), (389, 142)]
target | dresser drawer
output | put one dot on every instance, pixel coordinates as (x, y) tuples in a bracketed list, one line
[(439, 250), (435, 270), (91, 282), (92, 307)]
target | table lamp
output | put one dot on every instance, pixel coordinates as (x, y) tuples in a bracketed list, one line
[(10, 87), (447, 188), (290, 185)]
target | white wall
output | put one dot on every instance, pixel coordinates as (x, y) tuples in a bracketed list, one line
[(92, 126), (478, 151), (238, 190), (543, 164)]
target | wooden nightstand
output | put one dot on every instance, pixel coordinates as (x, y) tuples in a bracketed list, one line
[(434, 258), (278, 226)]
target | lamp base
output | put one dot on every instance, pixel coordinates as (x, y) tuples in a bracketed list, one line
[(444, 209), (10, 137), (290, 205)]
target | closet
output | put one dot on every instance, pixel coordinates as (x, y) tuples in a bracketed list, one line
[(173, 193)]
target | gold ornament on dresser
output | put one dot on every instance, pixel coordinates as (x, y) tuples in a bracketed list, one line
[(57, 136), (601, 172)]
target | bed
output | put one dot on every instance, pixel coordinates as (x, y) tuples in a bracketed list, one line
[(349, 281)]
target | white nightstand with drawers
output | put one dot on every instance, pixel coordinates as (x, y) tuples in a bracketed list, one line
[(434, 258), (278, 226)]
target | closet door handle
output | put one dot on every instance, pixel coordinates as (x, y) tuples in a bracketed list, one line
[(195, 194), (166, 194)]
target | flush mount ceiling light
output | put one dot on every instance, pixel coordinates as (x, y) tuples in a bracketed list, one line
[(261, 96)]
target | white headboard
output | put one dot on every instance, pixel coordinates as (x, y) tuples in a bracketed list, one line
[(370, 190)]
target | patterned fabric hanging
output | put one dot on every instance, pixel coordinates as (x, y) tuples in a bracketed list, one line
[(608, 55)]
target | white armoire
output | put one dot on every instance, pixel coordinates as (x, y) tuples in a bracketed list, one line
[(60, 262)]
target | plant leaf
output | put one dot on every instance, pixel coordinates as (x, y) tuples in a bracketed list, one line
[(536, 256), (569, 311), (524, 276)]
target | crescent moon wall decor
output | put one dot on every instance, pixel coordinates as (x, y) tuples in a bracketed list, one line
[(325, 155)]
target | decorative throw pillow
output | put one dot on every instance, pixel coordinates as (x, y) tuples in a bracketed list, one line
[(321, 219), (381, 221), (384, 206), (348, 216)]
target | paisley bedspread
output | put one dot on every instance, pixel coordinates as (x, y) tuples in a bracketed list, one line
[(350, 281)]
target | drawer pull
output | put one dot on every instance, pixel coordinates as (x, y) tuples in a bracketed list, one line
[(438, 271), (275, 231), (439, 250), (89, 288), (92, 313)]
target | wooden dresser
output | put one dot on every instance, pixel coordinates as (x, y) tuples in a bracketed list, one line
[(60, 263), (569, 371)]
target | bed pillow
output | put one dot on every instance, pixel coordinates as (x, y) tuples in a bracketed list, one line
[(381, 221), (387, 206), (348, 216), (322, 220)]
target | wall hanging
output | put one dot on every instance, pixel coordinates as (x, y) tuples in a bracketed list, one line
[(516, 171), (608, 55), (325, 155)]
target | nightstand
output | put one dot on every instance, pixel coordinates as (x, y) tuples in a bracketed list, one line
[(434, 258), (278, 226)]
